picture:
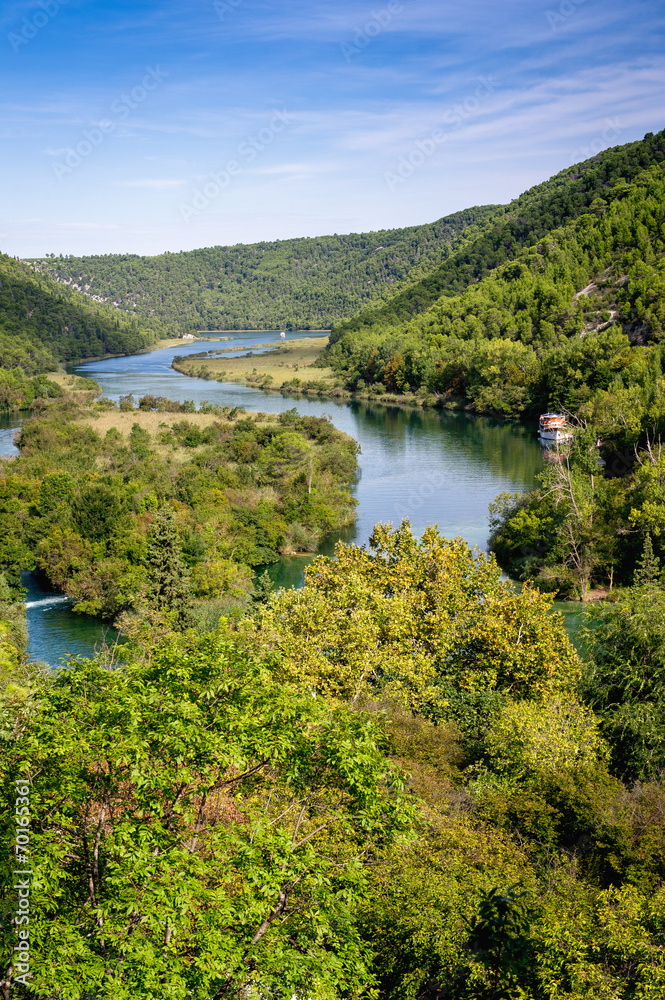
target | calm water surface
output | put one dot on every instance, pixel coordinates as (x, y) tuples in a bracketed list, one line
[(432, 467), (8, 429)]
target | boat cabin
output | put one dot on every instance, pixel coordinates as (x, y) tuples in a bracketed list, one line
[(554, 427)]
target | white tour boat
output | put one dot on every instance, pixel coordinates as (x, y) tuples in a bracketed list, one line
[(553, 427)]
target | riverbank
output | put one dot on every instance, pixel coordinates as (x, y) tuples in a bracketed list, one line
[(45, 388), (157, 345), (160, 345), (290, 368), (234, 332), (275, 369), (74, 384), (243, 490)]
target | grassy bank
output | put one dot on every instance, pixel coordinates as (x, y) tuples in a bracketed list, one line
[(277, 369), (160, 345), (291, 368)]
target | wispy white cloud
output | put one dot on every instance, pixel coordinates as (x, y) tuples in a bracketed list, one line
[(351, 120), (301, 169), (158, 183)]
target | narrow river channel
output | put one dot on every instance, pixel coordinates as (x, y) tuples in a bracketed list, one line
[(432, 467)]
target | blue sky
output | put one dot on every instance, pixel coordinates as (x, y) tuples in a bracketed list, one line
[(146, 127)]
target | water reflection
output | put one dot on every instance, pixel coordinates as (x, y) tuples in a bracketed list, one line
[(433, 467)]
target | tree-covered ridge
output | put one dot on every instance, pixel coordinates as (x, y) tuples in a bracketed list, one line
[(562, 320), (520, 224), (43, 324), (306, 283), (82, 499)]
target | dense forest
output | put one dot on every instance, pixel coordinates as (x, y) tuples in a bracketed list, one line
[(43, 323), (291, 284), (530, 315), (527, 318), (512, 227), (80, 501), (397, 783), (561, 320)]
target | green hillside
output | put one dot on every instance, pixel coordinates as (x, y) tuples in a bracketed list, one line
[(525, 220), (43, 323), (566, 311), (299, 284)]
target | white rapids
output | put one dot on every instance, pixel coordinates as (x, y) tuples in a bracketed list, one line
[(59, 599)]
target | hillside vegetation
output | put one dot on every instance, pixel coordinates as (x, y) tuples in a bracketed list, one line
[(400, 781), (557, 304), (512, 227), (82, 497), (304, 283), (397, 783), (43, 323), (562, 319)]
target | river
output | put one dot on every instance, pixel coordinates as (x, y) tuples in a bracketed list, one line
[(430, 466)]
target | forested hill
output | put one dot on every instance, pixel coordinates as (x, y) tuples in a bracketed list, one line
[(43, 323), (519, 224), (569, 312), (306, 283)]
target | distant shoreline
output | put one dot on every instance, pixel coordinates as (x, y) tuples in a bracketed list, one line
[(264, 330)]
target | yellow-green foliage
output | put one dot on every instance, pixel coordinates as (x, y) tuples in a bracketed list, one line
[(18, 680), (555, 736), (415, 619), (9, 661)]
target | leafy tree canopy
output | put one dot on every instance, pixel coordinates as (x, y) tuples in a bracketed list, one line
[(199, 829), (419, 620)]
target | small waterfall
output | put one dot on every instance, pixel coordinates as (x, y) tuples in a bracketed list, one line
[(46, 601)]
